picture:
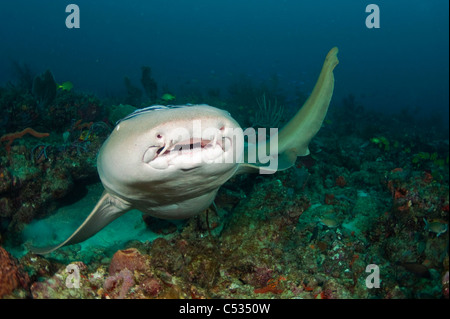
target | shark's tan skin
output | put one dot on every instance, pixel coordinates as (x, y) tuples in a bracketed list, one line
[(138, 171)]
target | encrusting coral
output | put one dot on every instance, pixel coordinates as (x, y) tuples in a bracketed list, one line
[(130, 259), (11, 274)]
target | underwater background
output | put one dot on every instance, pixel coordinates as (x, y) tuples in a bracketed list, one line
[(373, 191)]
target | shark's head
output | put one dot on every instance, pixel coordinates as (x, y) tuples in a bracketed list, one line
[(173, 152)]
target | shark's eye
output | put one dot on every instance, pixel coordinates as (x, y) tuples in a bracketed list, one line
[(159, 136)]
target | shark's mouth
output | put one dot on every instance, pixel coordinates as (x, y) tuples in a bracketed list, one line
[(194, 144), (187, 153)]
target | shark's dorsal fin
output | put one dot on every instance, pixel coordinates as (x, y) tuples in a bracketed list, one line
[(107, 209), (294, 137)]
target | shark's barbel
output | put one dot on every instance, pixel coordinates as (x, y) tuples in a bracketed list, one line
[(154, 160)]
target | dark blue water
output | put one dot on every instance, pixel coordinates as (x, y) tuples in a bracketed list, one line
[(205, 44)]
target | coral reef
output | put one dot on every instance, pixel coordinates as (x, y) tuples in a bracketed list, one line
[(130, 259), (69, 107), (12, 275), (59, 285), (13, 136), (445, 285), (117, 112), (149, 84), (33, 176), (123, 279), (375, 191), (44, 88), (269, 114), (134, 94)]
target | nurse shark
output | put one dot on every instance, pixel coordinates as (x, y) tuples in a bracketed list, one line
[(169, 162)]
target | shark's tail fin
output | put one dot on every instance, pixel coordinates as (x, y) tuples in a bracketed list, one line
[(294, 137), (107, 209)]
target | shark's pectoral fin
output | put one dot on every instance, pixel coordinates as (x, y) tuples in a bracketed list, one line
[(107, 209)]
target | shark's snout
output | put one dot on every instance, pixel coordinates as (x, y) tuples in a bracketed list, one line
[(182, 146)]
